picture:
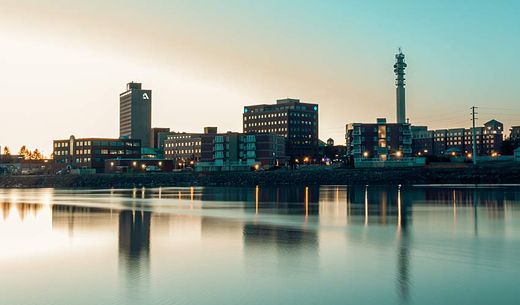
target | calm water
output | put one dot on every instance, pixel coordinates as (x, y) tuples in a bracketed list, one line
[(297, 245)]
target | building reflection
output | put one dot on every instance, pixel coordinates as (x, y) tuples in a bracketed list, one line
[(134, 248), (291, 248)]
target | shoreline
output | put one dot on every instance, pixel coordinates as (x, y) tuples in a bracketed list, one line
[(484, 174)]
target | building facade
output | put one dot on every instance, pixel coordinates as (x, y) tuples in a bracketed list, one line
[(238, 151), (381, 140), (458, 141), (135, 114), (91, 153), (297, 122), (183, 148)]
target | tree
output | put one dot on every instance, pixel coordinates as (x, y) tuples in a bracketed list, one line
[(7, 151), (36, 155), (24, 152)]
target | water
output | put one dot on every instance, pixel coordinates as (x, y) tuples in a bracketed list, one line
[(285, 245)]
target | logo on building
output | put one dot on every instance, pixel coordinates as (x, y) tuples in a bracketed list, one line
[(145, 96)]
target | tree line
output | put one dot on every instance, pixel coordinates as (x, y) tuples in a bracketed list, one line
[(26, 153)]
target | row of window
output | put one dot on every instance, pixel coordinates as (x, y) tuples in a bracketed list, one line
[(182, 144), (379, 128), (183, 151), (97, 143), (265, 123), (280, 115)]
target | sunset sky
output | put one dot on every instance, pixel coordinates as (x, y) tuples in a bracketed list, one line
[(63, 63)]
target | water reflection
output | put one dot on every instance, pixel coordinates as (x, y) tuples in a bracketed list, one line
[(296, 234), (134, 246)]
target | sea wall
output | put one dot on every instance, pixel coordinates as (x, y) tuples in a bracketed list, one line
[(483, 175)]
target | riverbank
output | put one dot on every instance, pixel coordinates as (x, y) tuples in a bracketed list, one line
[(486, 174)]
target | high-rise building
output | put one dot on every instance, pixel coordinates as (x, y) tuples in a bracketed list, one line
[(399, 68), (135, 114), (296, 121)]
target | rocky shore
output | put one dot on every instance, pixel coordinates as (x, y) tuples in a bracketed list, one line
[(489, 174)]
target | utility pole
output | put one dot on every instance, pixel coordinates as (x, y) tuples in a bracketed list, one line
[(474, 135)]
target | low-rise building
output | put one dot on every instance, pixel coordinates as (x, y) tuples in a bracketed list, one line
[(186, 148), (91, 153), (458, 141), (517, 154)]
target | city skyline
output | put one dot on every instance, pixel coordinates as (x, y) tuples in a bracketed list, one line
[(65, 64)]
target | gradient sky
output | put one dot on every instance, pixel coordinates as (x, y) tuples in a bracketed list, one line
[(63, 63)]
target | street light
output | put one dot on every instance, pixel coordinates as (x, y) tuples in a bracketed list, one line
[(365, 154), (398, 154)]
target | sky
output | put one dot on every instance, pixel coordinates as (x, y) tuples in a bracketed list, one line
[(63, 63)]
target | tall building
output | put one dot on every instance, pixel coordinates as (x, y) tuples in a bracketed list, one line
[(380, 140), (91, 153), (296, 121), (135, 114), (399, 68)]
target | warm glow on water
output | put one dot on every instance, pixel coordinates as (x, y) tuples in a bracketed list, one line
[(281, 245)]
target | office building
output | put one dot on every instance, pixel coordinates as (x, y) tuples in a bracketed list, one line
[(91, 153), (380, 140), (186, 148), (183, 148), (135, 114), (297, 122)]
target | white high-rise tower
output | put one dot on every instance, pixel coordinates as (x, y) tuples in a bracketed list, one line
[(399, 67)]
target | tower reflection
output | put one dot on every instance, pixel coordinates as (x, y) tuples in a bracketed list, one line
[(134, 247)]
